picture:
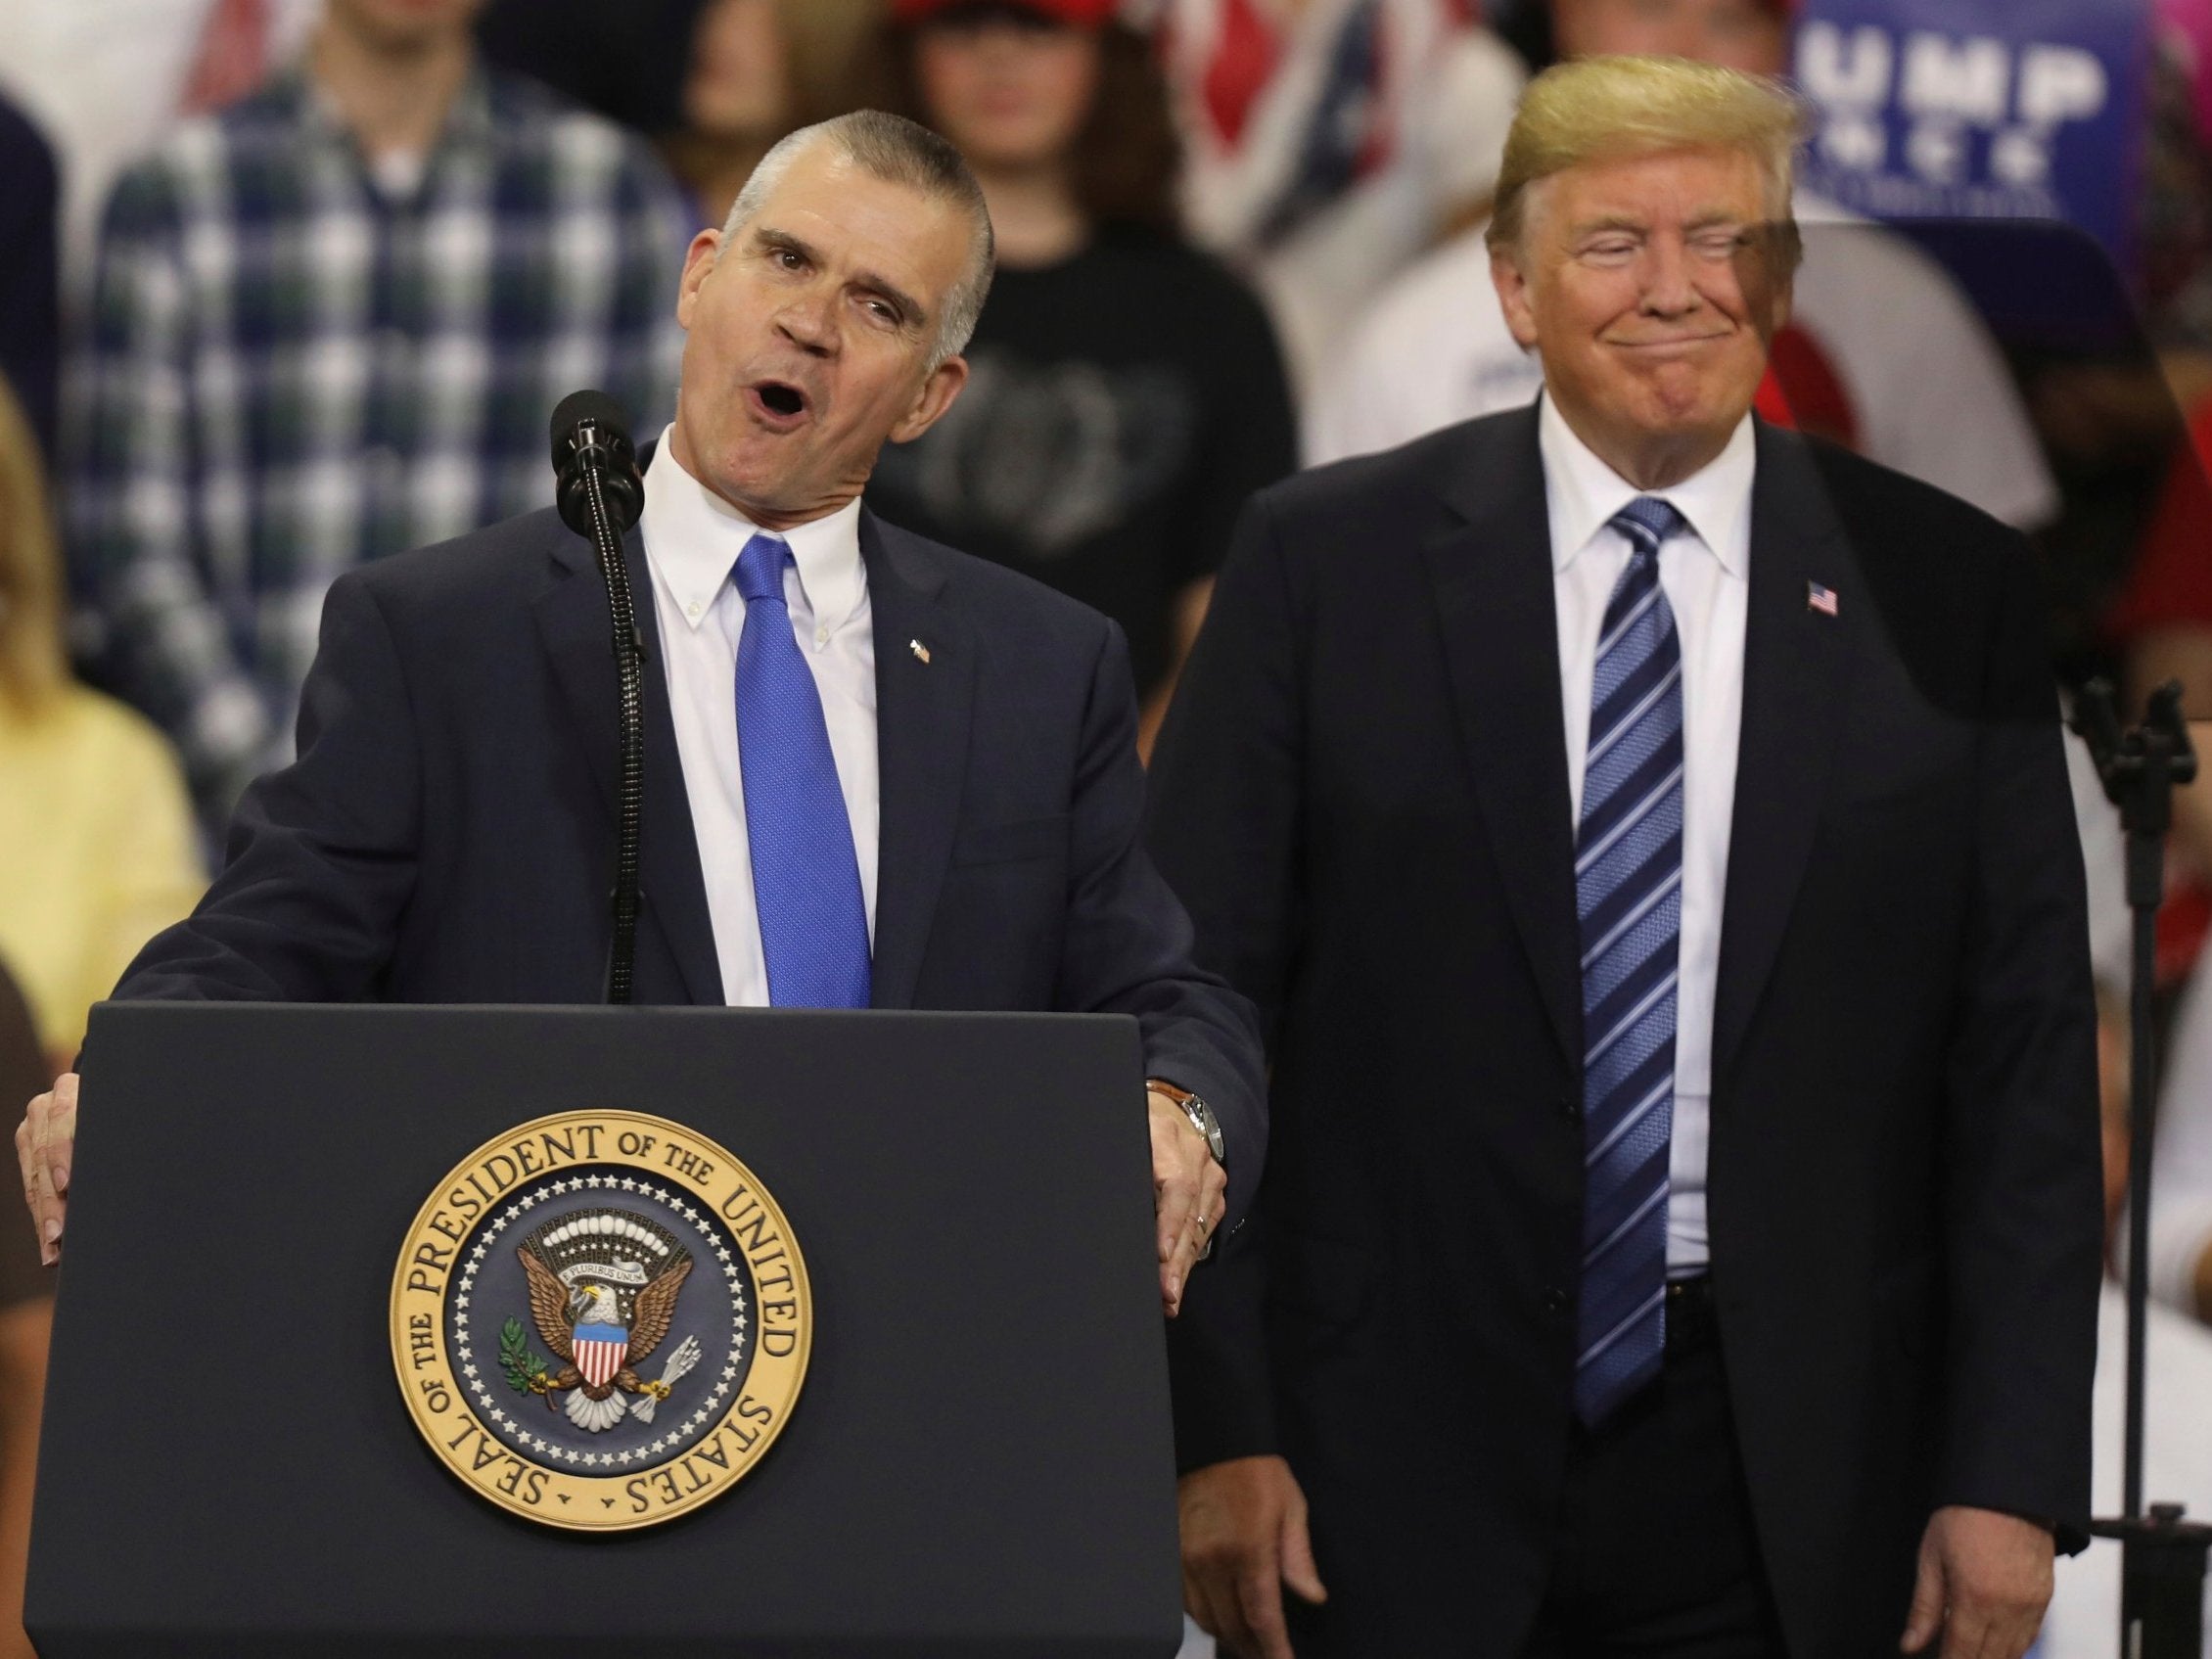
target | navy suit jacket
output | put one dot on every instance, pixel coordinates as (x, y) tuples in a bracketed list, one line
[(448, 832)]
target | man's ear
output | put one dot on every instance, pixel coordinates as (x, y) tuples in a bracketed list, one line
[(698, 260), (1513, 285), (936, 396)]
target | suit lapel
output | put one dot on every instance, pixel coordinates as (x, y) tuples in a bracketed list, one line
[(1796, 673), (573, 625), (1493, 579), (923, 707)]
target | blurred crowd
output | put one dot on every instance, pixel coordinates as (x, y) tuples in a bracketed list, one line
[(288, 285)]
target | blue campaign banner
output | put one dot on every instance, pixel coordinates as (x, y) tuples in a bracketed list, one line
[(1979, 108)]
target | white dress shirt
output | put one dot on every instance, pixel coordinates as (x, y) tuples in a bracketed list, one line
[(692, 540), (1704, 571)]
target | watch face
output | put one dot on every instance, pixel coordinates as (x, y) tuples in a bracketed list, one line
[(1201, 1118)]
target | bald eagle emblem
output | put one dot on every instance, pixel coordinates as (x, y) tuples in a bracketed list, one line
[(603, 1288)]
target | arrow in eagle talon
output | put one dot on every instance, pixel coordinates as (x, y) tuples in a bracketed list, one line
[(681, 1360)]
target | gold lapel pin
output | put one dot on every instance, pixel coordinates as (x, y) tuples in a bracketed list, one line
[(920, 651)]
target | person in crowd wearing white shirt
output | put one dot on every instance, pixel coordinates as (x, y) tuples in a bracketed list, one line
[(878, 772), (2181, 1215), (107, 79), (1646, 833), (1882, 351), (1329, 142), (2082, 1621)]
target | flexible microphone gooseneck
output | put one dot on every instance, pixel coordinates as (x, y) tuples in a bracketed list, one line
[(600, 495)]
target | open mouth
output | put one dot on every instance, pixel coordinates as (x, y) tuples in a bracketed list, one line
[(780, 400)]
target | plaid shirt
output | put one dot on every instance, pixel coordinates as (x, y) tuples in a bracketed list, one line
[(290, 371)]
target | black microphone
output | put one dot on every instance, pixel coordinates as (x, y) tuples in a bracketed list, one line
[(591, 435), (600, 495)]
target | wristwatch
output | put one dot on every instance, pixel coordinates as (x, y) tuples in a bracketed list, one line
[(1200, 1114)]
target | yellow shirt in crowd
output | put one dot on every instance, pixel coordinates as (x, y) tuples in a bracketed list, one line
[(96, 852)]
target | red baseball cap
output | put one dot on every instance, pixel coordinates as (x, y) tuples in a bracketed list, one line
[(1076, 13)]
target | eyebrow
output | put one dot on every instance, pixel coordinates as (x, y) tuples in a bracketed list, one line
[(912, 309), (1710, 218)]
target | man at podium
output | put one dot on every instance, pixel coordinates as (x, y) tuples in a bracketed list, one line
[(878, 773)]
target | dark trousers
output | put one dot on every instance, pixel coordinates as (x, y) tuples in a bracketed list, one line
[(1656, 1555)]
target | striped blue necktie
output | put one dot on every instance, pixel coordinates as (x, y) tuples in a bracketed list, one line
[(806, 875), (1627, 889)]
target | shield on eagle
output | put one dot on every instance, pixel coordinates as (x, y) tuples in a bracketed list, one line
[(600, 1351), (603, 1288)]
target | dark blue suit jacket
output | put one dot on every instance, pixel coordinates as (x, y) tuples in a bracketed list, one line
[(447, 833), (1362, 795)]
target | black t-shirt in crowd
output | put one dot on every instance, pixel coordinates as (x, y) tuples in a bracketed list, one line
[(1120, 408)]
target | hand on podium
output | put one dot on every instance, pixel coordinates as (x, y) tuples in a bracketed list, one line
[(1187, 1182), (1188, 1187), (45, 1141)]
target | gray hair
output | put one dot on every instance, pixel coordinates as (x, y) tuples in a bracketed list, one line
[(898, 152)]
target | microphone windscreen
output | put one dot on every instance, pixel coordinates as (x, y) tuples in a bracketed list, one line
[(580, 408)]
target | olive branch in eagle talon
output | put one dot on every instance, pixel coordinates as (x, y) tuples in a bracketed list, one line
[(522, 1367), (558, 1311)]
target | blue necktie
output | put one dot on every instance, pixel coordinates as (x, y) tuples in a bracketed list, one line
[(1627, 889), (806, 875)]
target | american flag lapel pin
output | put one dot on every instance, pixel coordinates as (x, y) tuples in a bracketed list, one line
[(921, 652), (1820, 598)]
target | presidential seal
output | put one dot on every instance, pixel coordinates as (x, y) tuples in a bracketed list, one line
[(600, 1321)]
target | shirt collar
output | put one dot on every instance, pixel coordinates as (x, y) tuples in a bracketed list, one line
[(693, 538), (1586, 493), (470, 121)]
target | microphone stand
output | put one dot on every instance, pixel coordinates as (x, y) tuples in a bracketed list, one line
[(2163, 1564), (600, 466)]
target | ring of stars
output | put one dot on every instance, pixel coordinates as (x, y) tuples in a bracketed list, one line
[(512, 1428)]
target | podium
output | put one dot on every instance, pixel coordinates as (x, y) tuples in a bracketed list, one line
[(979, 1462)]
